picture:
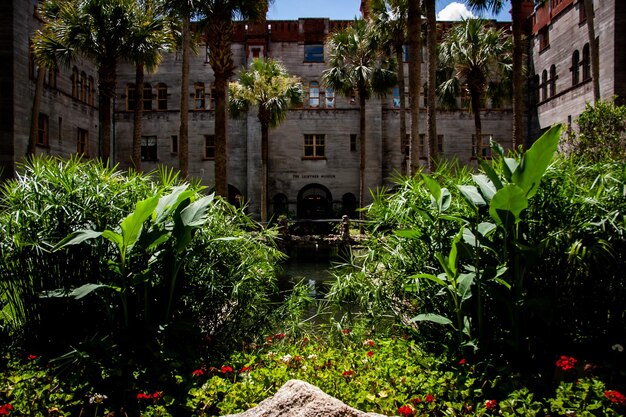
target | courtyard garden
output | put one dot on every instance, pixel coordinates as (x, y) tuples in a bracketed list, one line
[(494, 291)]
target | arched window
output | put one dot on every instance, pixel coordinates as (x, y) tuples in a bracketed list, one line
[(396, 97), (314, 94), (586, 63), (575, 67), (537, 87), (91, 90), (552, 80), (544, 85), (147, 96), (74, 80), (83, 86), (130, 97), (198, 96), (281, 204), (161, 96)]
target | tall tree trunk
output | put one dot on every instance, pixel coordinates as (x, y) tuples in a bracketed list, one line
[(518, 68), (431, 120), (593, 49), (475, 103), (415, 69), (138, 116), (183, 134), (34, 119), (106, 88), (221, 60), (363, 154), (264, 120), (401, 88)]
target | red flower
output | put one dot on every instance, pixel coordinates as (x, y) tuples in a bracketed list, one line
[(405, 411), (157, 395), (370, 353), (346, 331), (198, 372), (226, 369), (269, 339), (429, 398), (246, 368), (566, 363), (416, 400), (143, 396), (462, 361), (348, 374), (615, 397), (5, 409), (32, 357), (491, 405), (279, 336)]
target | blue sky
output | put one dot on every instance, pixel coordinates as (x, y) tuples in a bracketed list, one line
[(344, 9)]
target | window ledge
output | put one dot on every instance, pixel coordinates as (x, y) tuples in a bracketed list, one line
[(314, 158)]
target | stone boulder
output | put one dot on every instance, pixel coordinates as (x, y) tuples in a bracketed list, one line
[(301, 399)]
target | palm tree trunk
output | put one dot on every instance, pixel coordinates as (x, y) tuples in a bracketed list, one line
[(138, 116), (106, 88), (401, 88), (264, 158), (415, 69), (475, 103), (34, 119), (593, 49), (183, 135), (431, 120), (363, 151), (518, 56), (221, 144)]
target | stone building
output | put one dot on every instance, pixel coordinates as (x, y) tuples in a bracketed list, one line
[(561, 61), (314, 158)]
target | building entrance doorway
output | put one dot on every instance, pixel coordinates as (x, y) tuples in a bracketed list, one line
[(314, 202)]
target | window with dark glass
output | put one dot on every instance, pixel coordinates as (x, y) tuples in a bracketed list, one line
[(314, 52), (544, 85), (161, 96), (83, 86), (82, 138), (586, 63), (42, 131), (148, 148), (209, 146), (198, 96), (314, 146), (174, 144), (486, 146), (74, 80), (147, 97), (352, 142), (544, 38), (130, 97), (575, 67), (552, 80)]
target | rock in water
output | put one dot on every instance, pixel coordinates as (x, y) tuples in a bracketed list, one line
[(301, 399)]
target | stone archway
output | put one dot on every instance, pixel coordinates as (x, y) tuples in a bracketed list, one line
[(314, 202), (235, 197)]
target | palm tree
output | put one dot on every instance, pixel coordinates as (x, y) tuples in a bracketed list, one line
[(478, 59), (150, 37), (415, 76), (218, 18), (431, 41), (97, 30), (267, 85), (357, 65), (389, 18), (518, 56)]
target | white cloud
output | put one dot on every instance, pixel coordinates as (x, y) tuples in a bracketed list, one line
[(454, 11)]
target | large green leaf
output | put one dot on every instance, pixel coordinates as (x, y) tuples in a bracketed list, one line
[(409, 234), (465, 285), (487, 188), (194, 215), (472, 196), (168, 203), (435, 318), (76, 238), (510, 199), (133, 223), (536, 160)]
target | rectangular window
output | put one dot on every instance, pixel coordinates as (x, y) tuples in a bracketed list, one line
[(147, 97), (198, 96), (130, 97), (42, 132), (405, 146), (314, 146), (148, 148), (330, 98), (161, 97), (314, 52), (405, 53), (486, 146), (209, 146), (174, 144), (60, 132), (544, 38), (82, 142), (353, 143)]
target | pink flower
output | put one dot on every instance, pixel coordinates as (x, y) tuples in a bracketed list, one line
[(405, 411), (226, 369), (491, 405), (566, 363), (615, 397)]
